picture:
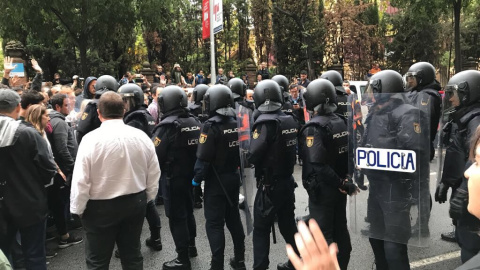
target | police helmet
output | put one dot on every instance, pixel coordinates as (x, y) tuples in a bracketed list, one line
[(268, 96), (238, 87), (282, 81), (423, 72), (198, 93), (335, 78), (383, 83), (465, 86), (172, 97), (132, 95), (219, 99), (320, 96), (105, 83)]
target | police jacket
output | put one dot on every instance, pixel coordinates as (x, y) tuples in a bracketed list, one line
[(176, 139), (197, 111), (273, 145), (26, 166), (343, 103), (88, 121), (397, 125), (64, 146), (429, 100), (323, 146), (141, 119), (218, 147)]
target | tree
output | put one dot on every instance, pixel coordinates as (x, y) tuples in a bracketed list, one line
[(262, 18)]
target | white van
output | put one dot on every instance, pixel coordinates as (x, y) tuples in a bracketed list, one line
[(360, 87)]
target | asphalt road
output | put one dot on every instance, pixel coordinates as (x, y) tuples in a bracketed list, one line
[(438, 254)]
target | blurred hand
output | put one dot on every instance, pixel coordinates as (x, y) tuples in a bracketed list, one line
[(36, 66), (8, 65), (15, 81), (314, 251), (441, 193), (195, 184)]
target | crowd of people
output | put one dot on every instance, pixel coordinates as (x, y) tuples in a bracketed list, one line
[(104, 155)]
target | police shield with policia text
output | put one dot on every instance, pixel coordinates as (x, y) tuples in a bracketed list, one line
[(395, 161)]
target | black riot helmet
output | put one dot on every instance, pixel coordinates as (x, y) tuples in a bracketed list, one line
[(282, 81), (105, 83), (335, 78), (267, 96), (320, 96), (462, 90), (422, 72), (382, 84), (172, 97), (238, 87), (198, 93), (219, 99), (132, 95)]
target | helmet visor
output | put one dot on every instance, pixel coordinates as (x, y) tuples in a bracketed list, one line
[(454, 94), (411, 79), (372, 92)]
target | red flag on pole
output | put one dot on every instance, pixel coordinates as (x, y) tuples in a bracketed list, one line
[(206, 19)]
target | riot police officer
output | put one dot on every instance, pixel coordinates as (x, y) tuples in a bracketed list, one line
[(462, 96), (272, 151), (392, 124), (239, 90), (89, 119), (217, 163), (323, 144), (137, 116), (176, 139), (198, 110), (342, 97), (287, 106)]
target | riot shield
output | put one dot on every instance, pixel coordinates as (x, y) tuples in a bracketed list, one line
[(393, 155), (247, 174)]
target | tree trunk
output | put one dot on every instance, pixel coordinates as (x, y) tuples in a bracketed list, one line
[(457, 7), (82, 47)]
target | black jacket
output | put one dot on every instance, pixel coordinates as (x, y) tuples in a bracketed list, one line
[(64, 145), (27, 166)]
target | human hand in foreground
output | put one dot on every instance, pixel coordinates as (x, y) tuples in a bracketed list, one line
[(313, 248)]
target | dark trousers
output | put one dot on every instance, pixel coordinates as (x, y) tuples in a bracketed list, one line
[(178, 198), (117, 220), (153, 218), (218, 211), (390, 255), (33, 244), (282, 198), (58, 194), (329, 210), (468, 240), (197, 194)]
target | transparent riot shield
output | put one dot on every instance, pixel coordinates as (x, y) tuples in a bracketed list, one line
[(392, 155), (244, 121)]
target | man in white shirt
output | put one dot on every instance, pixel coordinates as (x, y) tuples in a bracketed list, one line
[(116, 172)]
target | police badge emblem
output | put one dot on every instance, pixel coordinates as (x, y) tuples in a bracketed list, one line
[(203, 138), (309, 141), (157, 141), (255, 134), (84, 116), (416, 128)]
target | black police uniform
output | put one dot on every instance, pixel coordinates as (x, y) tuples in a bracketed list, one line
[(196, 110), (140, 118), (176, 140), (218, 160), (323, 144), (344, 103), (272, 151), (88, 121), (394, 126)]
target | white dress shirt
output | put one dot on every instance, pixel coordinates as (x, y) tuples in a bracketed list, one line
[(113, 160)]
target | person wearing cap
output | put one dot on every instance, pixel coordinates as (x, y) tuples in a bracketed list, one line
[(27, 166)]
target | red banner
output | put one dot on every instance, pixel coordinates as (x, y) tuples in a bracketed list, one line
[(206, 19)]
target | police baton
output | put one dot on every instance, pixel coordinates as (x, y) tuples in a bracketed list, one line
[(222, 186)]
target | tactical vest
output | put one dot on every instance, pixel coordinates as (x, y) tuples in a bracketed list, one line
[(335, 141), (183, 144), (196, 110), (281, 153), (143, 117), (224, 152), (89, 120), (343, 105)]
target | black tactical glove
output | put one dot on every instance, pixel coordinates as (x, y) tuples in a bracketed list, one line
[(441, 193), (458, 204), (360, 180), (349, 187)]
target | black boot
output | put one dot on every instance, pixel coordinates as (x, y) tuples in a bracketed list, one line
[(182, 262), (238, 262), (155, 240), (192, 249), (285, 266), (216, 264)]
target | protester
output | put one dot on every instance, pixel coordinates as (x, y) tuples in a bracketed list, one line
[(110, 190)]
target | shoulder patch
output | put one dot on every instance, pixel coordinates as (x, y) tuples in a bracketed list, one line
[(416, 127), (309, 141), (84, 116), (157, 141), (255, 134), (203, 138)]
